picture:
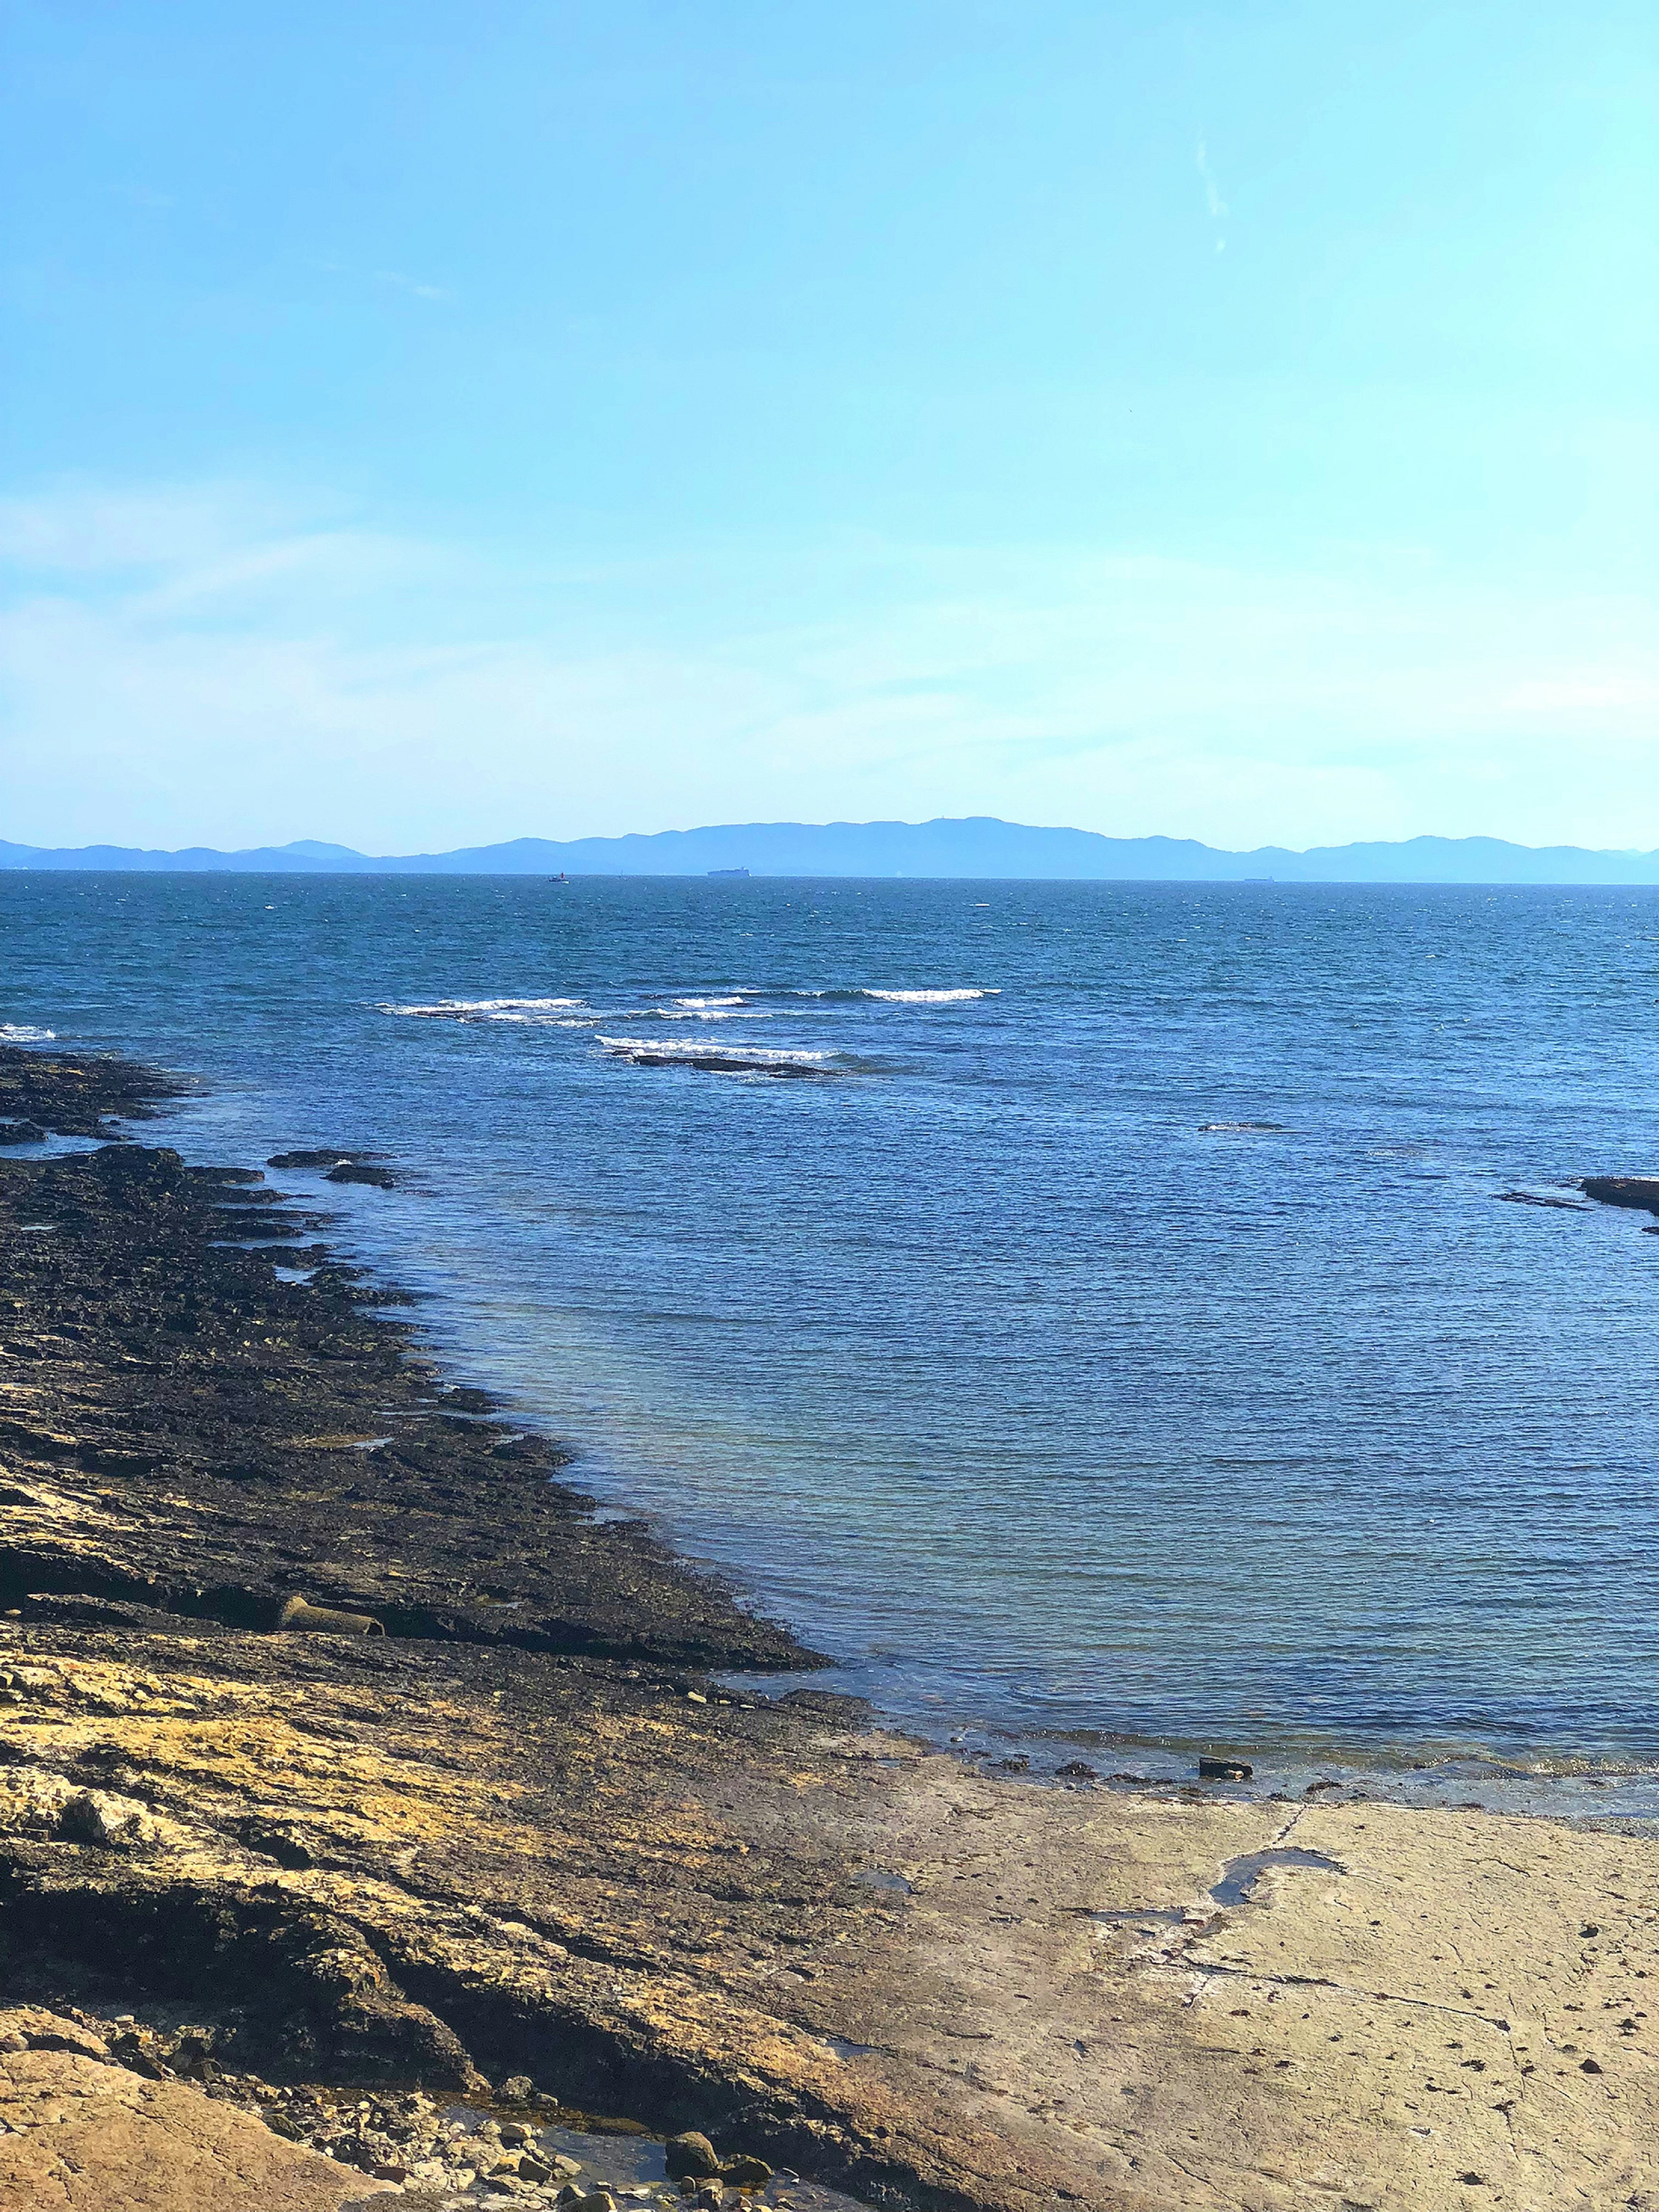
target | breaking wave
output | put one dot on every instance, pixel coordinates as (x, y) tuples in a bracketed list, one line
[(672, 1049), (25, 1033), (848, 992), (484, 1010), (926, 998)]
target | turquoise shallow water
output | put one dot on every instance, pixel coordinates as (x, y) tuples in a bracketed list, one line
[(1137, 1350)]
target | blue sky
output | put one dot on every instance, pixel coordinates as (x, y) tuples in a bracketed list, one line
[(431, 423)]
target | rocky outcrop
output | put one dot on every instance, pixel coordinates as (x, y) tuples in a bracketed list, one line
[(80, 1095), (1639, 1191)]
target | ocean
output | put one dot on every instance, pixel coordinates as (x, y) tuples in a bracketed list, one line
[(1117, 1344)]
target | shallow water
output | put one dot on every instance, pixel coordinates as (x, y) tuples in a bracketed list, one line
[(1134, 1352)]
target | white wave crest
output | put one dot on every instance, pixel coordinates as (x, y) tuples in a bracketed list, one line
[(703, 1006), (928, 998), (482, 1010), (24, 1033), (670, 1048)]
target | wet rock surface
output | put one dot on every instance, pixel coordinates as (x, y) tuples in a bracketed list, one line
[(1639, 1191), (268, 1440), (81, 1096), (333, 1887)]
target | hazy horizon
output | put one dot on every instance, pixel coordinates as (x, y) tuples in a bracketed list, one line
[(975, 847)]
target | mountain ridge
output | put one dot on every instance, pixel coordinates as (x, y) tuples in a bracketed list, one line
[(973, 847)]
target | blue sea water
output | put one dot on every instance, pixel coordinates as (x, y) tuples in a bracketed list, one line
[(1120, 1335)]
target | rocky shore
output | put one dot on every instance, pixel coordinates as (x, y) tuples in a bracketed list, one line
[(373, 1816)]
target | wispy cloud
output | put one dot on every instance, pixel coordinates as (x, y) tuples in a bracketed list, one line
[(395, 281), (387, 280), (1218, 206), (211, 664)]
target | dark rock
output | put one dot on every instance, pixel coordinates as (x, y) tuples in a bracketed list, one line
[(746, 2173), (326, 1620), (713, 1063), (1639, 1191), (690, 2157), (71, 1095), (1532, 1198), (1018, 1765), (1075, 1769), (831, 1704), (21, 1132), (1224, 1770), (377, 1178), (272, 1842)]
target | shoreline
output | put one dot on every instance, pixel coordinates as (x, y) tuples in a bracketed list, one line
[(1602, 1786), (555, 1846)]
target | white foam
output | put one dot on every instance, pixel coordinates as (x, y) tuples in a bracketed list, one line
[(928, 998), (666, 1048), (701, 1006), (22, 1033), (489, 1010)]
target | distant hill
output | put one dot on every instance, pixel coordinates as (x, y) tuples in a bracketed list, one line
[(979, 846)]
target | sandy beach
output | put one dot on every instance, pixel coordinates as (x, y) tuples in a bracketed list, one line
[(528, 1835)]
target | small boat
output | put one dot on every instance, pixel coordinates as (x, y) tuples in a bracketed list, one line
[(560, 879)]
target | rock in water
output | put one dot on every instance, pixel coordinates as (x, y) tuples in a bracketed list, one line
[(1639, 1191), (690, 2157), (339, 1159), (1224, 1770)]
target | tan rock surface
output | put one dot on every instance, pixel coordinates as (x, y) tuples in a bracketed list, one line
[(82, 2134), (1371, 2036)]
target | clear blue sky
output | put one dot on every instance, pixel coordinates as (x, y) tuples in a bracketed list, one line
[(430, 423)]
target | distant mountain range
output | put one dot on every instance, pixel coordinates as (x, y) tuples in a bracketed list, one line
[(979, 846)]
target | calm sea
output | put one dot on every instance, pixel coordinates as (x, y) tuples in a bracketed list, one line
[(1119, 1340)]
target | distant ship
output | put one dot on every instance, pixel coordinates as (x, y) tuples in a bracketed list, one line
[(728, 871), (560, 879)]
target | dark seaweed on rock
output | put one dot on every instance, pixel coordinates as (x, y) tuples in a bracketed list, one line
[(75, 1094), (275, 1442)]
